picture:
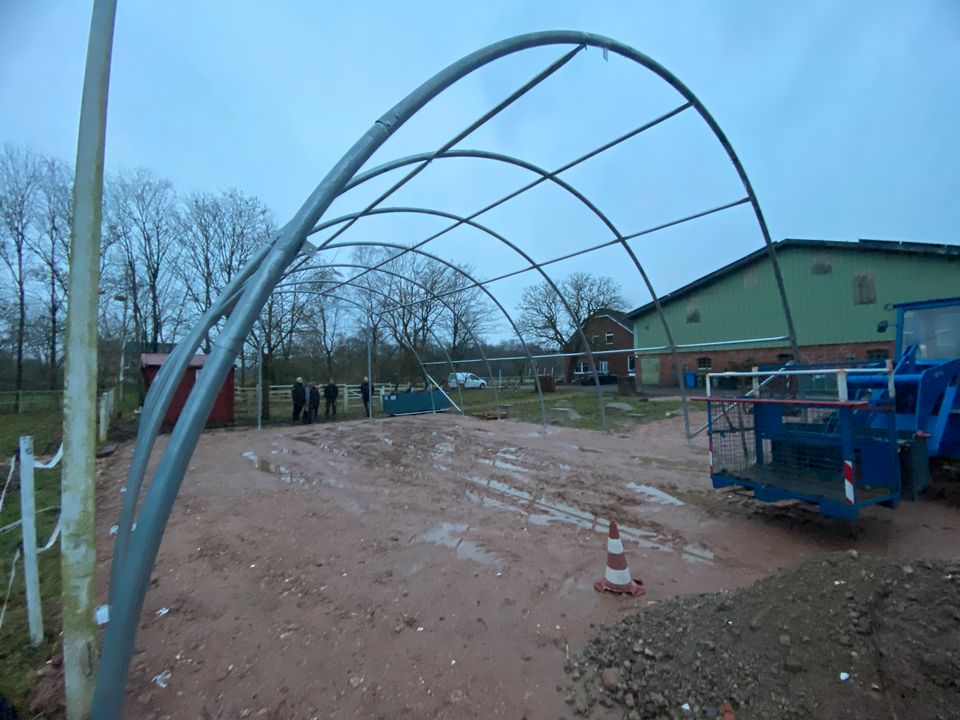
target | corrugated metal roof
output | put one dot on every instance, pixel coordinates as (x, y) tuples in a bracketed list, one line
[(157, 359), (865, 245)]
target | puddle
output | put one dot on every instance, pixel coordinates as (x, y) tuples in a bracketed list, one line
[(654, 494), (510, 453), (451, 535), (503, 465), (442, 449), (698, 554), (284, 473), (543, 511)]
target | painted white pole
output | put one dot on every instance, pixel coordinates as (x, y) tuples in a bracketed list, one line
[(369, 374), (28, 512), (77, 504), (260, 384)]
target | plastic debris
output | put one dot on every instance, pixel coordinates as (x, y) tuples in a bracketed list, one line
[(163, 679), (844, 676), (102, 615), (686, 708), (163, 611), (114, 529)]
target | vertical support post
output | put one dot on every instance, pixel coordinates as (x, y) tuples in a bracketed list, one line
[(891, 385), (369, 372), (260, 384), (102, 412), (846, 445), (842, 392), (755, 384), (346, 398), (28, 511), (123, 357), (78, 556)]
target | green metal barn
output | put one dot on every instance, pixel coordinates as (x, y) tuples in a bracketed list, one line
[(837, 293)]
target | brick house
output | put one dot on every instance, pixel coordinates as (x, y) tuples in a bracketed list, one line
[(838, 291), (610, 337)]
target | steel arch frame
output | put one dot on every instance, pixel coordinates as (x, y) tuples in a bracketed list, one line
[(434, 296), (264, 273)]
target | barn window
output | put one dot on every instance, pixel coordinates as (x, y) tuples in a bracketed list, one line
[(704, 363), (784, 358), (821, 265), (631, 363), (864, 288), (693, 314), (608, 337), (595, 340), (878, 354)]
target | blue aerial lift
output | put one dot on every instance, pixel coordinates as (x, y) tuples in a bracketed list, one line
[(849, 435)]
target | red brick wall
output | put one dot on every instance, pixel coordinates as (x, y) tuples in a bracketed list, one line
[(622, 340), (723, 360)]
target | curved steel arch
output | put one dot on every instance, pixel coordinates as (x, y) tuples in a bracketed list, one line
[(452, 266), (500, 238), (433, 296), (410, 345), (140, 555)]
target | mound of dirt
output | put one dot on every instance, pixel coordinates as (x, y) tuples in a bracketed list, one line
[(839, 636)]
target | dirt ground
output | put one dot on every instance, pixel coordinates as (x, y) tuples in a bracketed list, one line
[(440, 566)]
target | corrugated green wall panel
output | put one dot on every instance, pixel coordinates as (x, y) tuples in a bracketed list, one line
[(821, 290)]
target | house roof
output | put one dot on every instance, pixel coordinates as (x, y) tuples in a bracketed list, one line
[(157, 359), (891, 246)]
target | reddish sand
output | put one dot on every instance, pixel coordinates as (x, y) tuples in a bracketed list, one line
[(439, 566)]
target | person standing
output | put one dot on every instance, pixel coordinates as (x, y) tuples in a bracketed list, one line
[(365, 394), (299, 395), (330, 393), (314, 402)]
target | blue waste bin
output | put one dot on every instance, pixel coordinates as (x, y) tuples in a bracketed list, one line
[(690, 379)]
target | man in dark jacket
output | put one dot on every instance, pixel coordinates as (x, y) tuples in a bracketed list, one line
[(330, 392), (299, 395), (365, 394), (314, 403)]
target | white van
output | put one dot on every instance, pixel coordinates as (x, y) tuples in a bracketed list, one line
[(467, 380)]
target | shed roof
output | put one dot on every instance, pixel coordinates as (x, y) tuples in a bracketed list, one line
[(157, 359), (862, 245)]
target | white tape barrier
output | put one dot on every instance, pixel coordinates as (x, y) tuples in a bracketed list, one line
[(13, 467), (52, 462), (13, 575)]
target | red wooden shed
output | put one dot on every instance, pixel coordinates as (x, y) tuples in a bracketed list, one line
[(222, 411)]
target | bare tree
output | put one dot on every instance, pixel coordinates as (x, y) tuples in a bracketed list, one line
[(20, 177), (51, 246), (544, 318), (219, 234), (469, 315), (142, 220)]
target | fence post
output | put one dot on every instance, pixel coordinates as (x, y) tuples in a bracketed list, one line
[(346, 397), (28, 513), (102, 430)]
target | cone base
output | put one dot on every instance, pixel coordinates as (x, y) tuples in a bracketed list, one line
[(635, 588)]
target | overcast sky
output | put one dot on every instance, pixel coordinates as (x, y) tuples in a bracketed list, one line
[(845, 115)]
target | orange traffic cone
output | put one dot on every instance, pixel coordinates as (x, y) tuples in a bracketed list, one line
[(617, 578)]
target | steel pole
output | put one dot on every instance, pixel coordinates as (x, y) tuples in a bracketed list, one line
[(78, 556), (369, 368)]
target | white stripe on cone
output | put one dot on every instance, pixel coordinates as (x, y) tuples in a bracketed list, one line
[(615, 546), (618, 577), (848, 481)]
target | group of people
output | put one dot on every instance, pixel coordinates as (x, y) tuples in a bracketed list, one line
[(306, 400)]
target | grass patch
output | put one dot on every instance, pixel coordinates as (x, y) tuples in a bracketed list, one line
[(524, 405), (18, 659)]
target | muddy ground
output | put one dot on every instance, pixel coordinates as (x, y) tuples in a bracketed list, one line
[(440, 566)]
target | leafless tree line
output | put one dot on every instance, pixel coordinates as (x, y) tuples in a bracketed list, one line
[(165, 258)]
